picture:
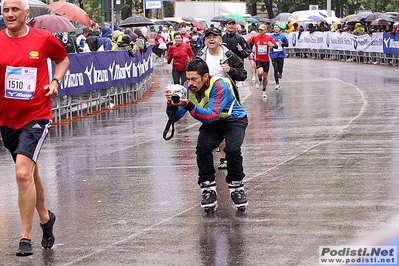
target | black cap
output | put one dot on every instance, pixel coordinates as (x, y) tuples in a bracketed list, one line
[(231, 20), (214, 31), (126, 39)]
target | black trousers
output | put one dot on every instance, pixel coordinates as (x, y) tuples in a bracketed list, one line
[(278, 64), (179, 77), (210, 136)]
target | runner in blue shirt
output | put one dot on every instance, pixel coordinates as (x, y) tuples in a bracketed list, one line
[(278, 54)]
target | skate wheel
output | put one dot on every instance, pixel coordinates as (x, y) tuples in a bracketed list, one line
[(241, 209), (209, 209)]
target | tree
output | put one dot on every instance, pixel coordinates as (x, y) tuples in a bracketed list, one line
[(269, 8), (91, 8)]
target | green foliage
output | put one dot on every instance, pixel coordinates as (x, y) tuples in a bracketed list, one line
[(91, 8)]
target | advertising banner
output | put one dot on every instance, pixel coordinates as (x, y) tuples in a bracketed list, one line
[(336, 41), (391, 43)]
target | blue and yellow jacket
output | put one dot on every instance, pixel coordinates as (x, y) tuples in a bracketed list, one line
[(214, 103)]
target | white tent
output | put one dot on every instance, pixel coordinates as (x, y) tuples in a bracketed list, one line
[(37, 8), (36, 3)]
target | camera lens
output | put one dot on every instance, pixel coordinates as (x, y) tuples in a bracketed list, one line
[(175, 98)]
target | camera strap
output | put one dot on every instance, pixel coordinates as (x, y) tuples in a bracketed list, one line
[(170, 123)]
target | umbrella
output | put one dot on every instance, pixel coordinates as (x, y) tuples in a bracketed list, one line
[(387, 17), (252, 20), (363, 14), (331, 20), (237, 17), (219, 19), (379, 22), (189, 19), (282, 25), (52, 23), (136, 21), (372, 16), (316, 18), (79, 29), (294, 17), (71, 11), (351, 18), (304, 18), (282, 17), (198, 25), (262, 19), (392, 13)]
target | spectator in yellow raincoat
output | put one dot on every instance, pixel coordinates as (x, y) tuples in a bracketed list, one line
[(289, 28), (358, 30)]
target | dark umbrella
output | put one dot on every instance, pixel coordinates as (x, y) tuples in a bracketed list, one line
[(136, 21), (164, 22), (189, 19), (262, 19), (219, 19), (372, 16), (159, 22), (282, 17)]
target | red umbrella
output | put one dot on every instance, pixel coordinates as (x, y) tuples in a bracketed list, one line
[(52, 23), (379, 22), (198, 25), (71, 11)]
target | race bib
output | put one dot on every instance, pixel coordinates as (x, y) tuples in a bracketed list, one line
[(262, 49), (20, 82), (279, 48)]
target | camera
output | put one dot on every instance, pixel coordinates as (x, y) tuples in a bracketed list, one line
[(178, 92)]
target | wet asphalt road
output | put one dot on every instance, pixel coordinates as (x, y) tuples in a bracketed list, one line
[(321, 158)]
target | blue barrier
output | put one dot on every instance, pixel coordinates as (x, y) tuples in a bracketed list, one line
[(101, 70)]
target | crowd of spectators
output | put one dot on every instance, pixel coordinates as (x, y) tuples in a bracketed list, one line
[(97, 38), (355, 28)]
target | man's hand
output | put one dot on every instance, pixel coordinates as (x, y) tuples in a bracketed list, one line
[(52, 90), (225, 67), (270, 44), (239, 47)]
